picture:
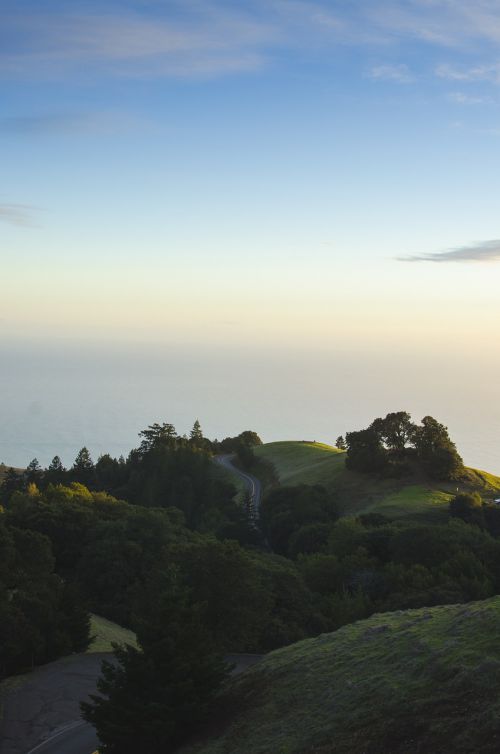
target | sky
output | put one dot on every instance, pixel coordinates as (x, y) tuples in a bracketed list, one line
[(274, 174)]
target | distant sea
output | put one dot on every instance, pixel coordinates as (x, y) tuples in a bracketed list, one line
[(55, 398)]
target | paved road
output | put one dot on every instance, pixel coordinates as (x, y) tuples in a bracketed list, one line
[(76, 738), (73, 736), (44, 706), (252, 483)]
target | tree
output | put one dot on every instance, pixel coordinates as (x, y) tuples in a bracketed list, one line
[(468, 507), (33, 472), (55, 473), (340, 443), (196, 435), (396, 430), (155, 696), (156, 435), (12, 482), (365, 451), (436, 451), (83, 470)]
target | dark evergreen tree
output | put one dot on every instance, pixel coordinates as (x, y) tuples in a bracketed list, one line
[(55, 473), (196, 435), (83, 469), (34, 472), (156, 696)]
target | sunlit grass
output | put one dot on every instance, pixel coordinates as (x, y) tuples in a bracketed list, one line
[(303, 462), (414, 500), (106, 633)]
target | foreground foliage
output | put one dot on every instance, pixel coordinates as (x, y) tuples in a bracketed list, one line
[(153, 697)]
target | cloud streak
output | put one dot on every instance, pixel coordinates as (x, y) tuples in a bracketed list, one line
[(17, 214), (212, 38), (210, 42), (399, 73), (485, 251), (57, 123)]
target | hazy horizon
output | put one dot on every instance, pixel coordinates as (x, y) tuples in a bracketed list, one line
[(57, 398)]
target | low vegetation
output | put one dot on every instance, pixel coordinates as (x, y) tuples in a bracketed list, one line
[(415, 681)]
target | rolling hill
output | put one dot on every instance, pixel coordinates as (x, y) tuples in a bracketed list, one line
[(414, 498), (410, 682)]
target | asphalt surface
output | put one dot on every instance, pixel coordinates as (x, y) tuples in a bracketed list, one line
[(252, 483), (78, 738), (41, 710)]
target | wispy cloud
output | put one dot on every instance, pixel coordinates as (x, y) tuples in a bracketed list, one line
[(485, 251), (21, 215), (105, 122), (400, 74), (210, 42), (208, 38), (488, 72), (460, 98)]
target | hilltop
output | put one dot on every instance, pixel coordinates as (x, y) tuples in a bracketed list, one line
[(414, 497), (409, 682)]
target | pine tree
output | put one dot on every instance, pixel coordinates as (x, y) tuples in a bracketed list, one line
[(196, 435), (155, 696)]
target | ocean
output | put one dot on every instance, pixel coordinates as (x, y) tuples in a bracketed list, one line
[(57, 397)]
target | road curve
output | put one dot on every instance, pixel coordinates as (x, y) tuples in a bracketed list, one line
[(252, 483), (77, 738)]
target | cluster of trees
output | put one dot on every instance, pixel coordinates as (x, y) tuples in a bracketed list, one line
[(364, 569), (389, 445), (166, 470), (41, 616), (298, 519)]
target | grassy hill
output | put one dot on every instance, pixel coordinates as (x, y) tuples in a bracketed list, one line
[(415, 498), (410, 682)]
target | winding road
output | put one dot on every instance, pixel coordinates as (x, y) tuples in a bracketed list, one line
[(77, 738), (252, 483)]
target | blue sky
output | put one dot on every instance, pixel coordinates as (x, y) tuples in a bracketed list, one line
[(294, 172)]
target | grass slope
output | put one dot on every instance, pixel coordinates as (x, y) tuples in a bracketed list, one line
[(303, 462), (416, 499), (410, 682), (106, 633)]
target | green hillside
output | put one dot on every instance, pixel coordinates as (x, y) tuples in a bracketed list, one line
[(303, 462), (410, 682), (415, 498)]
